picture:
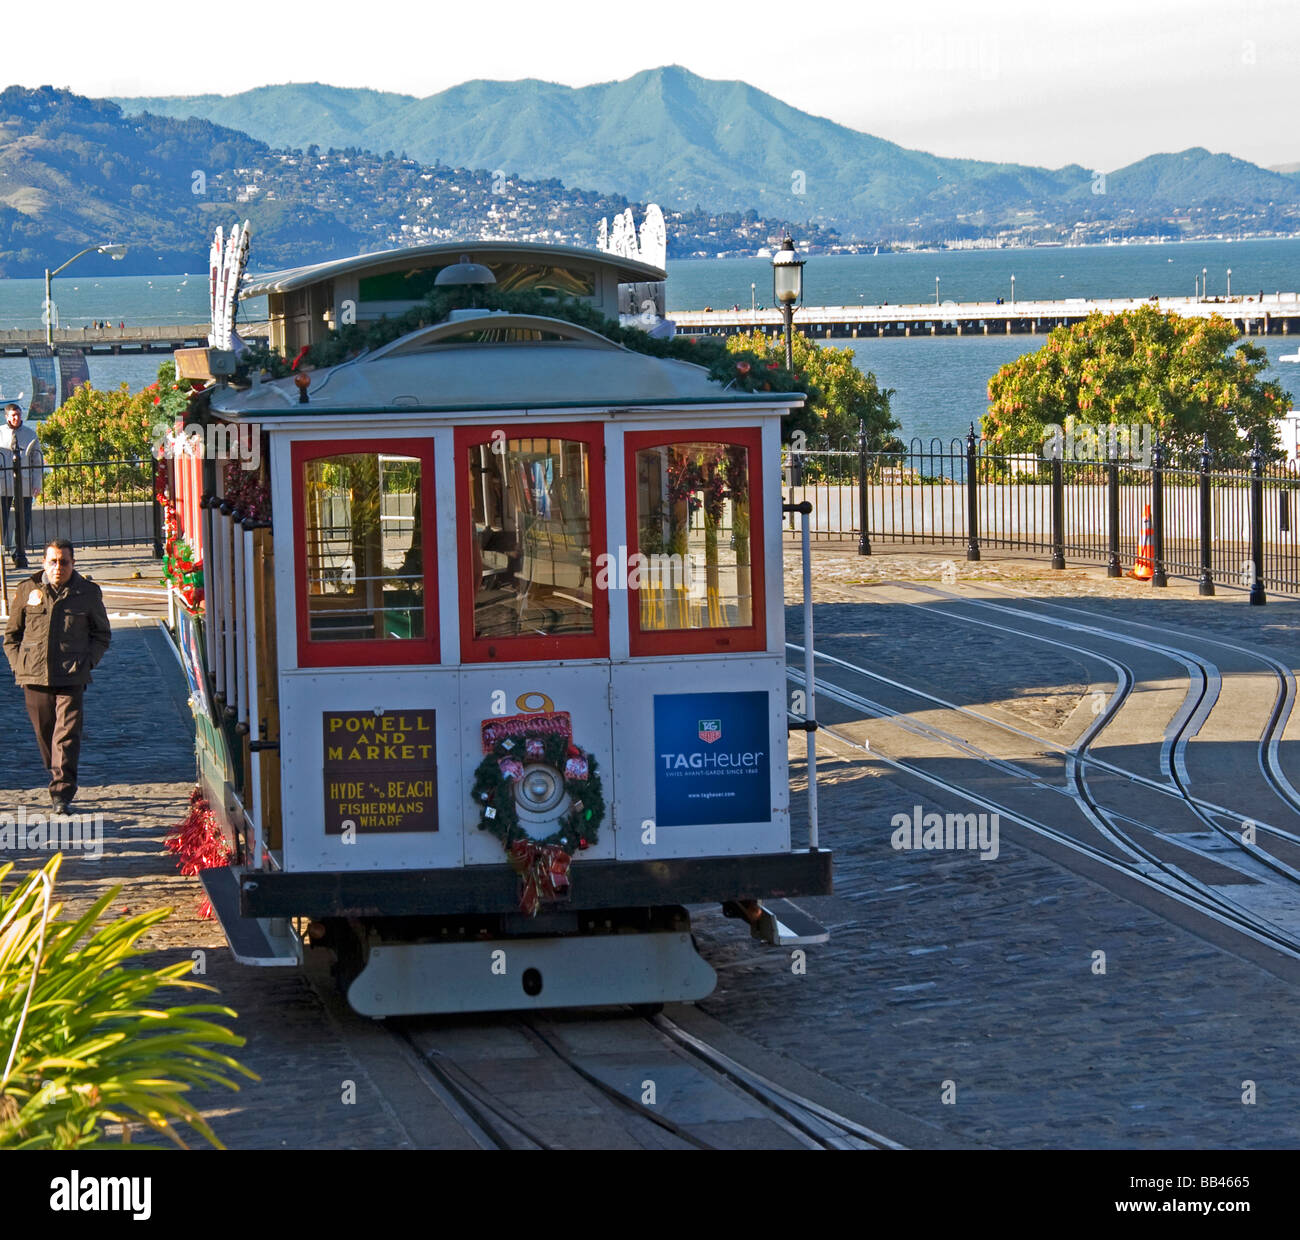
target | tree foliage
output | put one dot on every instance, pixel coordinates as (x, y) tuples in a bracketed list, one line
[(840, 396), (1180, 376), (117, 430)]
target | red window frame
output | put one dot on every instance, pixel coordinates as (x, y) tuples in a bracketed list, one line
[(593, 645), (701, 641), (371, 653)]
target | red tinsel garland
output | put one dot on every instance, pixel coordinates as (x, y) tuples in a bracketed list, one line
[(198, 843)]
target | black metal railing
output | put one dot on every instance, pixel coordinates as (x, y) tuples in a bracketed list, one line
[(1233, 523), (90, 503)]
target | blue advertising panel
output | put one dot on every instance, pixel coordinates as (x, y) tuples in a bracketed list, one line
[(712, 763)]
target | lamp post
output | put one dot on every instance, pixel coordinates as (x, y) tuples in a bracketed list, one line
[(1205, 284), (787, 289), (752, 293), (1013, 290), (1229, 283), (115, 252), (936, 290)]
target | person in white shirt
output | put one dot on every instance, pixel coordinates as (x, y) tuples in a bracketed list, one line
[(20, 440)]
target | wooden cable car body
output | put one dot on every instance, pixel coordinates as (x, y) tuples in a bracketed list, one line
[(513, 573)]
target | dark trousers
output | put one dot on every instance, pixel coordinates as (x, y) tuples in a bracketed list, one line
[(57, 716), (6, 504)]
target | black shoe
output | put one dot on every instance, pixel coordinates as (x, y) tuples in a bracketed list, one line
[(60, 808)]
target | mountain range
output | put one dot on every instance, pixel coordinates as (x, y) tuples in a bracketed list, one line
[(669, 136)]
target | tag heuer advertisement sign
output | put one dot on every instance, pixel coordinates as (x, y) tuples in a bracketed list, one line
[(711, 759)]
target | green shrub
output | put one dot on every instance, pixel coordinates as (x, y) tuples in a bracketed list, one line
[(84, 1040)]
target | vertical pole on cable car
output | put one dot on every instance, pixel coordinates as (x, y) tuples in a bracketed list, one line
[(810, 735), (810, 693)]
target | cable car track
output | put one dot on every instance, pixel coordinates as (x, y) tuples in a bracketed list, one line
[(1195, 709), (1174, 746), (494, 1124)]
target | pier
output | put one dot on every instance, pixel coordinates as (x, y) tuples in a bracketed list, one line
[(129, 340), (1275, 314)]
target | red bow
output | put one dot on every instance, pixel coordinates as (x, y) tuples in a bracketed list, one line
[(544, 871)]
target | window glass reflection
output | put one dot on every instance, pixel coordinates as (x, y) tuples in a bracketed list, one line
[(530, 500), (365, 578), (693, 515)]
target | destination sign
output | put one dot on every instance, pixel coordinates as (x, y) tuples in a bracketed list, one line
[(380, 771)]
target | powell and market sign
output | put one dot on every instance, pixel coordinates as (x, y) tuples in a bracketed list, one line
[(380, 771)]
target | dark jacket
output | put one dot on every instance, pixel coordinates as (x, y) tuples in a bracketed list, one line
[(53, 639)]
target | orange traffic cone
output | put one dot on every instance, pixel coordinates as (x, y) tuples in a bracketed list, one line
[(1145, 564)]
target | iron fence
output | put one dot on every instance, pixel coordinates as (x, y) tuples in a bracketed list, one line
[(1228, 523), (90, 503)]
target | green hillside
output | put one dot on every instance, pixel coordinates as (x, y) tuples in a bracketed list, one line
[(670, 136)]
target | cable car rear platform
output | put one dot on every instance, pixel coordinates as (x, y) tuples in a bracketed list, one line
[(494, 889), (397, 966)]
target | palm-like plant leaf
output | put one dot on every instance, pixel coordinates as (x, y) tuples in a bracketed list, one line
[(88, 1041)]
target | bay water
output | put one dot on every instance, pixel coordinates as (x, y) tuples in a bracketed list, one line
[(940, 383)]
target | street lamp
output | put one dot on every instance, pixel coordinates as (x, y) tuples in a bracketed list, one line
[(936, 290), (1205, 284), (113, 251), (1229, 283), (1013, 290), (752, 289), (787, 289)]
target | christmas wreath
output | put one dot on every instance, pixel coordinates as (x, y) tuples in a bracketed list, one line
[(538, 748)]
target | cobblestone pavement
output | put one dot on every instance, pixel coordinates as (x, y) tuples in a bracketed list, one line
[(940, 968), (946, 968), (137, 771)]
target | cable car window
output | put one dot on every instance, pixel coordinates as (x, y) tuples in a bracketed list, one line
[(366, 579), (531, 502), (699, 543)]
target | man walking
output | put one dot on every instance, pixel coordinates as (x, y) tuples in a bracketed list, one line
[(57, 631), (21, 442)]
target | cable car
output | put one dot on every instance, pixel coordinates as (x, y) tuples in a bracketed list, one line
[(488, 670)]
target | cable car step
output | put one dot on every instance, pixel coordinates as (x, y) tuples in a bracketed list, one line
[(253, 940), (784, 924)]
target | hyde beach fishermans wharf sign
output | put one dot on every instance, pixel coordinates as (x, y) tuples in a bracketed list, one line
[(380, 771), (712, 763)]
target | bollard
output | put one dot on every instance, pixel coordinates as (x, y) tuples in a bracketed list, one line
[(1158, 577), (1206, 584), (1058, 512), (1113, 566), (864, 541), (972, 499), (1257, 596)]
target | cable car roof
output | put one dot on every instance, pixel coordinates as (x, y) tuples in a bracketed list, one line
[(487, 361), (627, 270)]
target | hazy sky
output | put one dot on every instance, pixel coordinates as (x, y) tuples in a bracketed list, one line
[(1049, 82)]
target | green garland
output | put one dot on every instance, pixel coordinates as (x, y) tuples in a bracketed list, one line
[(494, 791)]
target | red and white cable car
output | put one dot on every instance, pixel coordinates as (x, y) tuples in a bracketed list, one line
[(502, 675)]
